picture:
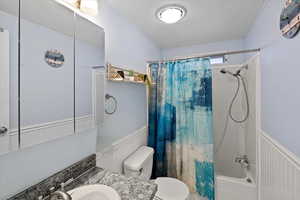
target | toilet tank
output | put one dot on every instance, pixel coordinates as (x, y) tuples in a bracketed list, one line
[(139, 164)]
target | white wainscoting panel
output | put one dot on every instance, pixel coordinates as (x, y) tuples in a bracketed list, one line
[(112, 157), (280, 171)]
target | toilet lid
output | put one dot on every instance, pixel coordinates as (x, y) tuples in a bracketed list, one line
[(171, 189)]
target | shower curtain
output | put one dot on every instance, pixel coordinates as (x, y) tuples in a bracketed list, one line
[(180, 123)]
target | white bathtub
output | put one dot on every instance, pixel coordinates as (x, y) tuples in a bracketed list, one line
[(231, 188)]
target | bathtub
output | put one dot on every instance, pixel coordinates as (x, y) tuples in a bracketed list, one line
[(231, 188)]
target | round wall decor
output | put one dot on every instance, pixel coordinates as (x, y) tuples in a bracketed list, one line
[(54, 58), (290, 19)]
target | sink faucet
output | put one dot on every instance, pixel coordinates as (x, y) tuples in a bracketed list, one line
[(244, 161), (60, 195)]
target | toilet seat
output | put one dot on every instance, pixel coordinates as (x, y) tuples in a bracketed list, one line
[(171, 189)]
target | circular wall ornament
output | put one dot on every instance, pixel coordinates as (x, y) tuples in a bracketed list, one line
[(290, 19), (111, 104), (54, 58)]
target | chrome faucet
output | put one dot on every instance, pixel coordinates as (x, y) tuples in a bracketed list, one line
[(244, 161), (60, 195)]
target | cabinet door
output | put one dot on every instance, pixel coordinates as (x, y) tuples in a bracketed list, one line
[(47, 72), (4, 91)]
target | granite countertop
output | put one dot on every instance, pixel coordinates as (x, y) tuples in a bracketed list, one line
[(129, 188), (85, 172)]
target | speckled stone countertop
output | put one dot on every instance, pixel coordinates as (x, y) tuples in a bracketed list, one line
[(129, 188), (86, 172)]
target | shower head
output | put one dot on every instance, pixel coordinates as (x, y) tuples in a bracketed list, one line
[(237, 73), (224, 71)]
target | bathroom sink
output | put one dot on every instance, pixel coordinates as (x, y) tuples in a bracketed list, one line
[(94, 192)]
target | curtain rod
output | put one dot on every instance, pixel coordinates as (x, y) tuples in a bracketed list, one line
[(208, 55)]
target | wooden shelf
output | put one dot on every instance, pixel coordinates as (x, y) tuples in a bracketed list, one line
[(118, 74)]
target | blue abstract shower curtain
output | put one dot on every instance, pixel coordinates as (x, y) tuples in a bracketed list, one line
[(180, 123)]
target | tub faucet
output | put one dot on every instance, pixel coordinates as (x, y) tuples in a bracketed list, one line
[(244, 161)]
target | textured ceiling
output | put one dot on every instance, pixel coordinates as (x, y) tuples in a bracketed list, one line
[(206, 21)]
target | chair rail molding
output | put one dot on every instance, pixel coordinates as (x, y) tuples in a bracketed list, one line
[(45, 132)]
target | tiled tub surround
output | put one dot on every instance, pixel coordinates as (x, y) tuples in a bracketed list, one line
[(85, 172)]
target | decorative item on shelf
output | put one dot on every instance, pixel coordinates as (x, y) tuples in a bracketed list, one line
[(111, 104), (74, 3), (290, 19), (89, 6), (118, 74), (54, 58), (288, 2)]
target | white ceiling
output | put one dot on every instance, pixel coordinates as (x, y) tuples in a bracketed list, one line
[(206, 21)]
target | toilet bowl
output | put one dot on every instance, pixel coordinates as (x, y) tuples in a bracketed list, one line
[(171, 188), (140, 164)]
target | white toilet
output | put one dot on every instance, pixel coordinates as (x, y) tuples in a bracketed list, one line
[(140, 163)]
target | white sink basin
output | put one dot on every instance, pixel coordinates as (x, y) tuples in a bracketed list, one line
[(94, 192)]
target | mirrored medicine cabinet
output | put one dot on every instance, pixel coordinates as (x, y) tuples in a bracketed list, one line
[(51, 57)]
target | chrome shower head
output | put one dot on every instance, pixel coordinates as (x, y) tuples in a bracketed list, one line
[(237, 73), (224, 71)]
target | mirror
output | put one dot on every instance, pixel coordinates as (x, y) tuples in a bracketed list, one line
[(47, 93), (89, 73), (61, 79)]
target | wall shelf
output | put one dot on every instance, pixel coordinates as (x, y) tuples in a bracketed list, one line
[(118, 74)]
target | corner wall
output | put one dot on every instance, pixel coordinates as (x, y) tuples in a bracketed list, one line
[(126, 47), (280, 76)]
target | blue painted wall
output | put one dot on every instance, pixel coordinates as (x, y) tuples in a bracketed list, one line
[(280, 76)]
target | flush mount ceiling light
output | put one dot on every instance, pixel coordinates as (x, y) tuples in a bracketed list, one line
[(171, 14)]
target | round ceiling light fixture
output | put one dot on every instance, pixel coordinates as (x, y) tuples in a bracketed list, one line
[(171, 14)]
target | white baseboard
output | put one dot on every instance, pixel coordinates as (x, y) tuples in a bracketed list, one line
[(280, 171), (40, 133), (113, 156)]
